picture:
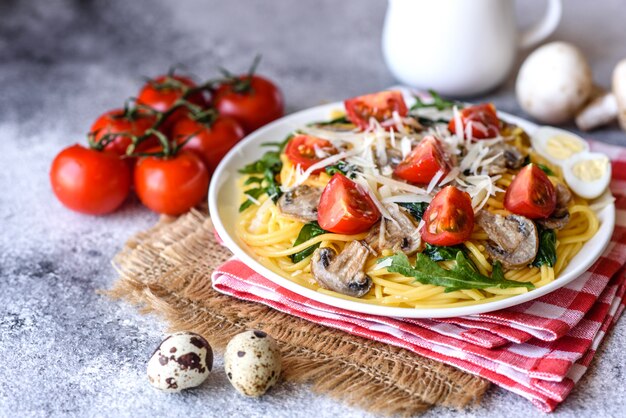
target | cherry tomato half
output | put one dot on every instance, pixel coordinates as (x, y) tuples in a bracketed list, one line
[(379, 106), (482, 118), (255, 106), (531, 194), (307, 150), (171, 185), (449, 219), (210, 143), (117, 122), (345, 208), (423, 162), (162, 92), (90, 181)]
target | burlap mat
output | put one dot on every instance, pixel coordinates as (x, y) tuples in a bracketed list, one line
[(167, 270)]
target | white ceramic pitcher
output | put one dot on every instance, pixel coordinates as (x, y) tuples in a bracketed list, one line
[(458, 47)]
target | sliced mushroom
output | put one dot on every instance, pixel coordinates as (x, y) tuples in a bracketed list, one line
[(301, 203), (401, 235), (515, 241), (342, 272), (511, 158), (560, 217)]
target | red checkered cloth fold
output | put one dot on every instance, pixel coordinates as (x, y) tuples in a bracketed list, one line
[(538, 349)]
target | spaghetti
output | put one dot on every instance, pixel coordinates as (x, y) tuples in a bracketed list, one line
[(271, 235)]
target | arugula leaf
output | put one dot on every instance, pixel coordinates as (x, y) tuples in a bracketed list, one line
[(497, 273), (415, 209), (547, 248), (545, 169), (308, 231), (438, 102), (255, 194), (437, 253), (269, 165), (461, 276)]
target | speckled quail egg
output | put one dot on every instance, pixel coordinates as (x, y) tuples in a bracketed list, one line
[(183, 360), (252, 362), (588, 174), (557, 145)]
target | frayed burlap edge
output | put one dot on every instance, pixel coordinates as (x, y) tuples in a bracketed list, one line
[(166, 270)]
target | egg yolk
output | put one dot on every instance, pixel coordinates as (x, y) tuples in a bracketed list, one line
[(590, 170), (562, 147)]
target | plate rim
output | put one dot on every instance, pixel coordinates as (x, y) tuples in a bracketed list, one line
[(220, 177)]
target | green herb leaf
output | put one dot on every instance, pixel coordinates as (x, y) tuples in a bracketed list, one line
[(437, 253), (308, 231), (273, 188), (438, 102), (461, 276), (545, 169), (255, 194), (252, 179), (547, 248), (497, 273), (415, 209)]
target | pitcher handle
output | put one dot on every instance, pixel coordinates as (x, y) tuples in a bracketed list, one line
[(544, 28)]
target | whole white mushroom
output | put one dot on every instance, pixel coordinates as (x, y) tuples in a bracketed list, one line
[(554, 82)]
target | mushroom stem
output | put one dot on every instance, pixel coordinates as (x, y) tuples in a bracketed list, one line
[(619, 90), (600, 111)]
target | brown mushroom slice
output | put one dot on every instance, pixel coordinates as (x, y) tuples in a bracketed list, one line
[(515, 241), (401, 234), (511, 158), (342, 272), (560, 217), (301, 203)]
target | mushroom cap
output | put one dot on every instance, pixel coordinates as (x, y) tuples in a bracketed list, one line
[(619, 90), (554, 82)]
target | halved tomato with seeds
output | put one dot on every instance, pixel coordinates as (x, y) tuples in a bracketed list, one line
[(481, 119), (449, 219), (306, 150), (423, 162), (531, 194), (345, 208), (379, 106)]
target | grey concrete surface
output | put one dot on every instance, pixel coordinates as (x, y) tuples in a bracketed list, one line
[(64, 350)]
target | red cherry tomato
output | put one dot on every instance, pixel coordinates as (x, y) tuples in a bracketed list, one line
[(253, 107), (379, 106), (423, 162), (482, 118), (345, 208), (531, 194), (90, 181), (162, 92), (171, 185), (449, 219), (116, 122), (304, 149), (210, 143)]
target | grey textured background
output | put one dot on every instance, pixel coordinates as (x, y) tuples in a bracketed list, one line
[(65, 350)]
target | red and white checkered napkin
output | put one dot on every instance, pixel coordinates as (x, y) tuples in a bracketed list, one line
[(538, 349)]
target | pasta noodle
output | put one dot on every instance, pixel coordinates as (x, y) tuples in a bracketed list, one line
[(271, 236)]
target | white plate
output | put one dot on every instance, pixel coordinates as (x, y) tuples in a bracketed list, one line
[(225, 198)]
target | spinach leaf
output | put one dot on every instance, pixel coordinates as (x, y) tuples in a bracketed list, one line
[(438, 102), (427, 122), (437, 253), (415, 209), (547, 248), (461, 276), (254, 194), (308, 231)]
